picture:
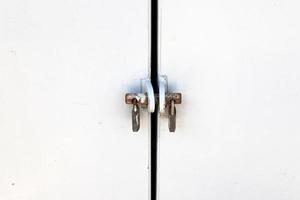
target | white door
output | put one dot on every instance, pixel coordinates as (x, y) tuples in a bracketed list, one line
[(238, 130), (65, 132)]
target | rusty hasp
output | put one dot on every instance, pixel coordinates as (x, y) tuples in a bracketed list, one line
[(145, 99), (141, 99), (176, 97), (137, 100), (170, 100), (165, 102)]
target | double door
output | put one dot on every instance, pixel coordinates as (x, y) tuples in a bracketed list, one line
[(65, 132)]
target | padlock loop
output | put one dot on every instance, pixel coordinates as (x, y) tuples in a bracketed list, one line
[(163, 89), (148, 90)]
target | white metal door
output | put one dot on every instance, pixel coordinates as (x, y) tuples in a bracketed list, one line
[(237, 66), (64, 128)]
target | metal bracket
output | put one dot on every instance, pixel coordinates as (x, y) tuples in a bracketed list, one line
[(163, 88), (147, 99), (148, 89), (167, 102)]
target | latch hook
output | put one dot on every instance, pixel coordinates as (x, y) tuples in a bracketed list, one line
[(145, 99)]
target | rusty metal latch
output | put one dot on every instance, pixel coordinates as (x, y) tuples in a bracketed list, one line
[(147, 99), (167, 102)]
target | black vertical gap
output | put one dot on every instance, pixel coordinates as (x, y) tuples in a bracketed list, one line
[(154, 81)]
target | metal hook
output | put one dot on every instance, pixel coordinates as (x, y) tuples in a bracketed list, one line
[(172, 116), (167, 102), (145, 99), (135, 116)]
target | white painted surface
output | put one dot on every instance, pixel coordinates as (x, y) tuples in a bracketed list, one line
[(237, 65), (65, 131)]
